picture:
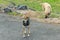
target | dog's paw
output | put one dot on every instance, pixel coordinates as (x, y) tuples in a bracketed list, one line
[(28, 35)]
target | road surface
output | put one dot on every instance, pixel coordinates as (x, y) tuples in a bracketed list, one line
[(10, 29)]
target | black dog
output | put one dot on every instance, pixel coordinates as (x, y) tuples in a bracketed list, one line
[(26, 23)]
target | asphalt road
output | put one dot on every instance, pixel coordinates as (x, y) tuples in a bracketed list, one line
[(10, 29)]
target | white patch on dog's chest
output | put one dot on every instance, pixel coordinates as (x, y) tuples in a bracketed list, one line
[(25, 21)]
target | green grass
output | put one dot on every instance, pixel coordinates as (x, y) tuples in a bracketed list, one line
[(35, 4)]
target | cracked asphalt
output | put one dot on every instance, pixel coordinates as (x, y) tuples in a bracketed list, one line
[(11, 28)]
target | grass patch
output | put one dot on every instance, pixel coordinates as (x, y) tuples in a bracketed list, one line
[(54, 15), (35, 4), (15, 14)]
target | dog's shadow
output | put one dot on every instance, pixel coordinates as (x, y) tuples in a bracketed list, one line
[(28, 38)]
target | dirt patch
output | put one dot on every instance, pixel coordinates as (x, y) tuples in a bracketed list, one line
[(48, 20), (35, 16)]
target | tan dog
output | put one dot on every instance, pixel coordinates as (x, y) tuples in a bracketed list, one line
[(26, 23), (47, 9)]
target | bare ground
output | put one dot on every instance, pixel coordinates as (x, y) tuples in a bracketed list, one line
[(35, 16)]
